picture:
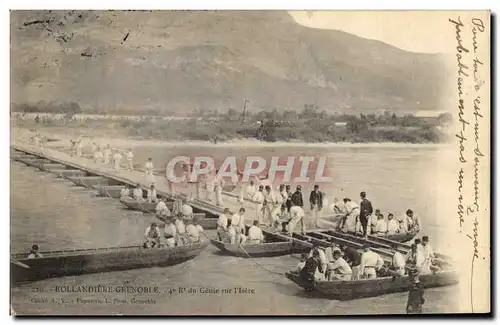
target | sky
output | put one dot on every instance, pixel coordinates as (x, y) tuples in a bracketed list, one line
[(414, 31)]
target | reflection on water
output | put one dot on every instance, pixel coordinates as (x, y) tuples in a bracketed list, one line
[(58, 215)]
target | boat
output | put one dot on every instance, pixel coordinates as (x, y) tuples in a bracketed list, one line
[(32, 161), (65, 173), (113, 191), (274, 245), (326, 238), (331, 222), (49, 166), (91, 181), (345, 290), (348, 290), (84, 261), (205, 223), (148, 207)]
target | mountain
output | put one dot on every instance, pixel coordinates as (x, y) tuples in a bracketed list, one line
[(187, 60)]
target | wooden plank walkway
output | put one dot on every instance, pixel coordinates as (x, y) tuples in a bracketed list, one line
[(135, 177)]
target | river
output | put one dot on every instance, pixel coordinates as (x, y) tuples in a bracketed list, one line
[(55, 214)]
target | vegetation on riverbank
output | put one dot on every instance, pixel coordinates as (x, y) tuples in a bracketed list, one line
[(309, 125)]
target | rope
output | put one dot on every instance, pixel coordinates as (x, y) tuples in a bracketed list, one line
[(259, 264)]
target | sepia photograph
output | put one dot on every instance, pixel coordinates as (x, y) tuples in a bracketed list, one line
[(249, 162)]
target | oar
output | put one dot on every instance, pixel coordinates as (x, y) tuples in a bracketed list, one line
[(19, 264)]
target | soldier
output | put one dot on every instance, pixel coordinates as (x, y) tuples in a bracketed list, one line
[(366, 210)]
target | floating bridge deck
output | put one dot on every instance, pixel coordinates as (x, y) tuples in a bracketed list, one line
[(59, 161)]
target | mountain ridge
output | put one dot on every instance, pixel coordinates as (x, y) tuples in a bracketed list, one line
[(176, 61)]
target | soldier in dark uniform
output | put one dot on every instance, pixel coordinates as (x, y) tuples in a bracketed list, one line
[(366, 209), (307, 272), (415, 295), (297, 197)]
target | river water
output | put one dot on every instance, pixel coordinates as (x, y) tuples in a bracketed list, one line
[(55, 214)]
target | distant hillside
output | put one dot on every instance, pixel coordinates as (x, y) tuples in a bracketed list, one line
[(188, 60)]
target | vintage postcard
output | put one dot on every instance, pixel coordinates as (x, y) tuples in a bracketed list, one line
[(249, 162)]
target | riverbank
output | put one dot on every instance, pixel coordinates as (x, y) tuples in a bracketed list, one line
[(306, 129), (118, 139)]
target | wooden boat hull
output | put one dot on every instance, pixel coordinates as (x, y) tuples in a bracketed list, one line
[(258, 250), (49, 167), (65, 173), (402, 238), (91, 181), (32, 162), (375, 241), (274, 245), (110, 191), (347, 290), (105, 261), (332, 222), (133, 204)]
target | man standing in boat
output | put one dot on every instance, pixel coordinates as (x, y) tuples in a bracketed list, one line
[(107, 155), (352, 215), (366, 210), (148, 171), (130, 160), (222, 231), (412, 222), (297, 197), (117, 158), (152, 236), (251, 189), (296, 215), (316, 201), (138, 193), (258, 199), (218, 185), (238, 223)]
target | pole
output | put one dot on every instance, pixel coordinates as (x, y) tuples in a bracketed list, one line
[(245, 109)]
